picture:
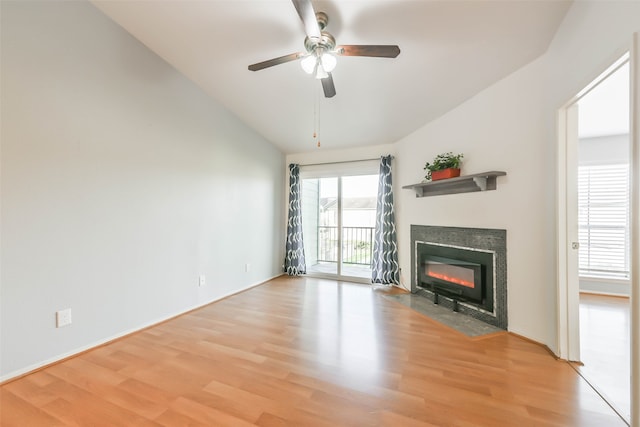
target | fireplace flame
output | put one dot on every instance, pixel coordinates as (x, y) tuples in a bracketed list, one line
[(450, 279)]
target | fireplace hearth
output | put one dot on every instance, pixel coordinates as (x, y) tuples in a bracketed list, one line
[(463, 269)]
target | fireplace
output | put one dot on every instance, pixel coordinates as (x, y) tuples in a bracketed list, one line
[(461, 274), (464, 269)]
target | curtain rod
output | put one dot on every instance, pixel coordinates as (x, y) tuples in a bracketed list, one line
[(345, 161)]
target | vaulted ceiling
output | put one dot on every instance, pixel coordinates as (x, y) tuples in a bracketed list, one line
[(450, 51)]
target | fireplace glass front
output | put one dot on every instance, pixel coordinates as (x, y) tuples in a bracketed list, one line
[(463, 275)]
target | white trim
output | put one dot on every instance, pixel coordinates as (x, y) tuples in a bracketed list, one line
[(340, 230), (562, 240), (567, 221), (634, 124), (603, 76), (31, 368)]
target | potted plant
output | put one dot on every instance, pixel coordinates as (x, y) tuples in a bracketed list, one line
[(446, 165)]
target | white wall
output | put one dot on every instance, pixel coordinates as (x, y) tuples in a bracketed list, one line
[(499, 129), (511, 126), (122, 182)]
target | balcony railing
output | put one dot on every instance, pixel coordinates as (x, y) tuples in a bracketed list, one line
[(357, 244)]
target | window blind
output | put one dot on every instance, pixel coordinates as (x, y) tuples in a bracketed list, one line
[(603, 202)]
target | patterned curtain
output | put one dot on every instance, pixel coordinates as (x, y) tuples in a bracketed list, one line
[(294, 263), (385, 269)]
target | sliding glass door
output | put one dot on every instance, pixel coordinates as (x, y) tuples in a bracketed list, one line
[(320, 225), (338, 219)]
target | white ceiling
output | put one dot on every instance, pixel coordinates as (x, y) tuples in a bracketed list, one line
[(450, 50)]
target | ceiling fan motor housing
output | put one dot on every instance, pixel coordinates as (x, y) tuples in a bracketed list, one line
[(326, 41)]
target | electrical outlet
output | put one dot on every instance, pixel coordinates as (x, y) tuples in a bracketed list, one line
[(247, 267), (63, 318), (201, 281)]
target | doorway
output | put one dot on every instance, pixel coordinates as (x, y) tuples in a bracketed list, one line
[(595, 235), (338, 220)]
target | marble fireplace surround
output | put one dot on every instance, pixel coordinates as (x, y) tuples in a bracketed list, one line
[(484, 239)]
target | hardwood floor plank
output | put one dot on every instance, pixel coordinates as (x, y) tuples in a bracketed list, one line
[(94, 412), (17, 412), (344, 412), (307, 352), (30, 390), (244, 410), (170, 418), (393, 419), (205, 414), (137, 403), (278, 408), (270, 420), (151, 392)]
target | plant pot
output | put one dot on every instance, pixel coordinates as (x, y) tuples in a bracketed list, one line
[(444, 174)]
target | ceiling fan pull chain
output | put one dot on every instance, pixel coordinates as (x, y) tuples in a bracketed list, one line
[(318, 104), (315, 113), (316, 117)]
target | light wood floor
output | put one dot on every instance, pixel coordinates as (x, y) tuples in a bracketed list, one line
[(605, 323), (307, 352)]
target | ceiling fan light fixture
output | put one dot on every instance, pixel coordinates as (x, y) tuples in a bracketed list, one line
[(308, 63), (328, 62), (321, 73)]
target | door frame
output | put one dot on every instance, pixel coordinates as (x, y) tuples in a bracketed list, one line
[(568, 283), (568, 302), (567, 218), (634, 124)]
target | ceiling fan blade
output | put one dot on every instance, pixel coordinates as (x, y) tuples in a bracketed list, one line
[(328, 87), (274, 61), (308, 17), (379, 51)]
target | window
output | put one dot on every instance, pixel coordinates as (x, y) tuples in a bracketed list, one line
[(603, 202)]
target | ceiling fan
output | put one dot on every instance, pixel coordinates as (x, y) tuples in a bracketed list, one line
[(321, 48)]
